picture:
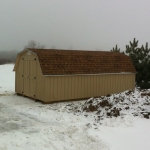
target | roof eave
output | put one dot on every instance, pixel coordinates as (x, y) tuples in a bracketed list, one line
[(90, 74)]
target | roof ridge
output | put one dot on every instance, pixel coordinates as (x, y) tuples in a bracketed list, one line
[(72, 50)]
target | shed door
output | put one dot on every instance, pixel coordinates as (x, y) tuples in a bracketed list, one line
[(29, 76)]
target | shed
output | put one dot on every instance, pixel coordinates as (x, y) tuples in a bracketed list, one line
[(52, 75)]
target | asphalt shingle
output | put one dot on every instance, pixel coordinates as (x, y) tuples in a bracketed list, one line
[(63, 62)]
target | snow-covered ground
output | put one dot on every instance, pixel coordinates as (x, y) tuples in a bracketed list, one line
[(80, 125)]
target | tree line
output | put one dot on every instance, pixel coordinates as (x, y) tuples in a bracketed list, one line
[(10, 56), (140, 57)]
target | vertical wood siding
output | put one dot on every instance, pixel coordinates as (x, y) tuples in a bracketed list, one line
[(25, 75), (75, 87)]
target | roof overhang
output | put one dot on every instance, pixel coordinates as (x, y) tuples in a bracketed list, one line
[(90, 74)]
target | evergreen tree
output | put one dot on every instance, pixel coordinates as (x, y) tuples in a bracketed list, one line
[(116, 49), (141, 60)]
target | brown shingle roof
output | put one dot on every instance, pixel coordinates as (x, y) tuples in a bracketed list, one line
[(63, 62)]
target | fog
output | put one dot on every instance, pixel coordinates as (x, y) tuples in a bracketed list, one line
[(78, 24), (8, 56)]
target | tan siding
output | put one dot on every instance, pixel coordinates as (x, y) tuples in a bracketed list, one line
[(62, 88), (120, 82), (112, 83), (30, 68), (109, 85), (126, 82), (83, 87), (92, 84), (69, 85), (40, 88), (50, 88), (66, 87), (98, 86), (115, 83), (89, 85), (103, 85), (59, 88), (73, 87), (79, 86), (76, 87), (55, 90)]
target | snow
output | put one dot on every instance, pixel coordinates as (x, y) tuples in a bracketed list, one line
[(7, 78), (26, 124)]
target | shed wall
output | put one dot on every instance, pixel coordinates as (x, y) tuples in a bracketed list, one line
[(35, 87), (59, 88)]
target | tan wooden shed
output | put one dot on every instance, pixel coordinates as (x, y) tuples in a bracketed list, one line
[(55, 75)]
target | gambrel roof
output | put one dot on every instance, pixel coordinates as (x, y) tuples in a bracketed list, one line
[(65, 62)]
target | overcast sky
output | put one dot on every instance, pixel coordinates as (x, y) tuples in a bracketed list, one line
[(76, 24)]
